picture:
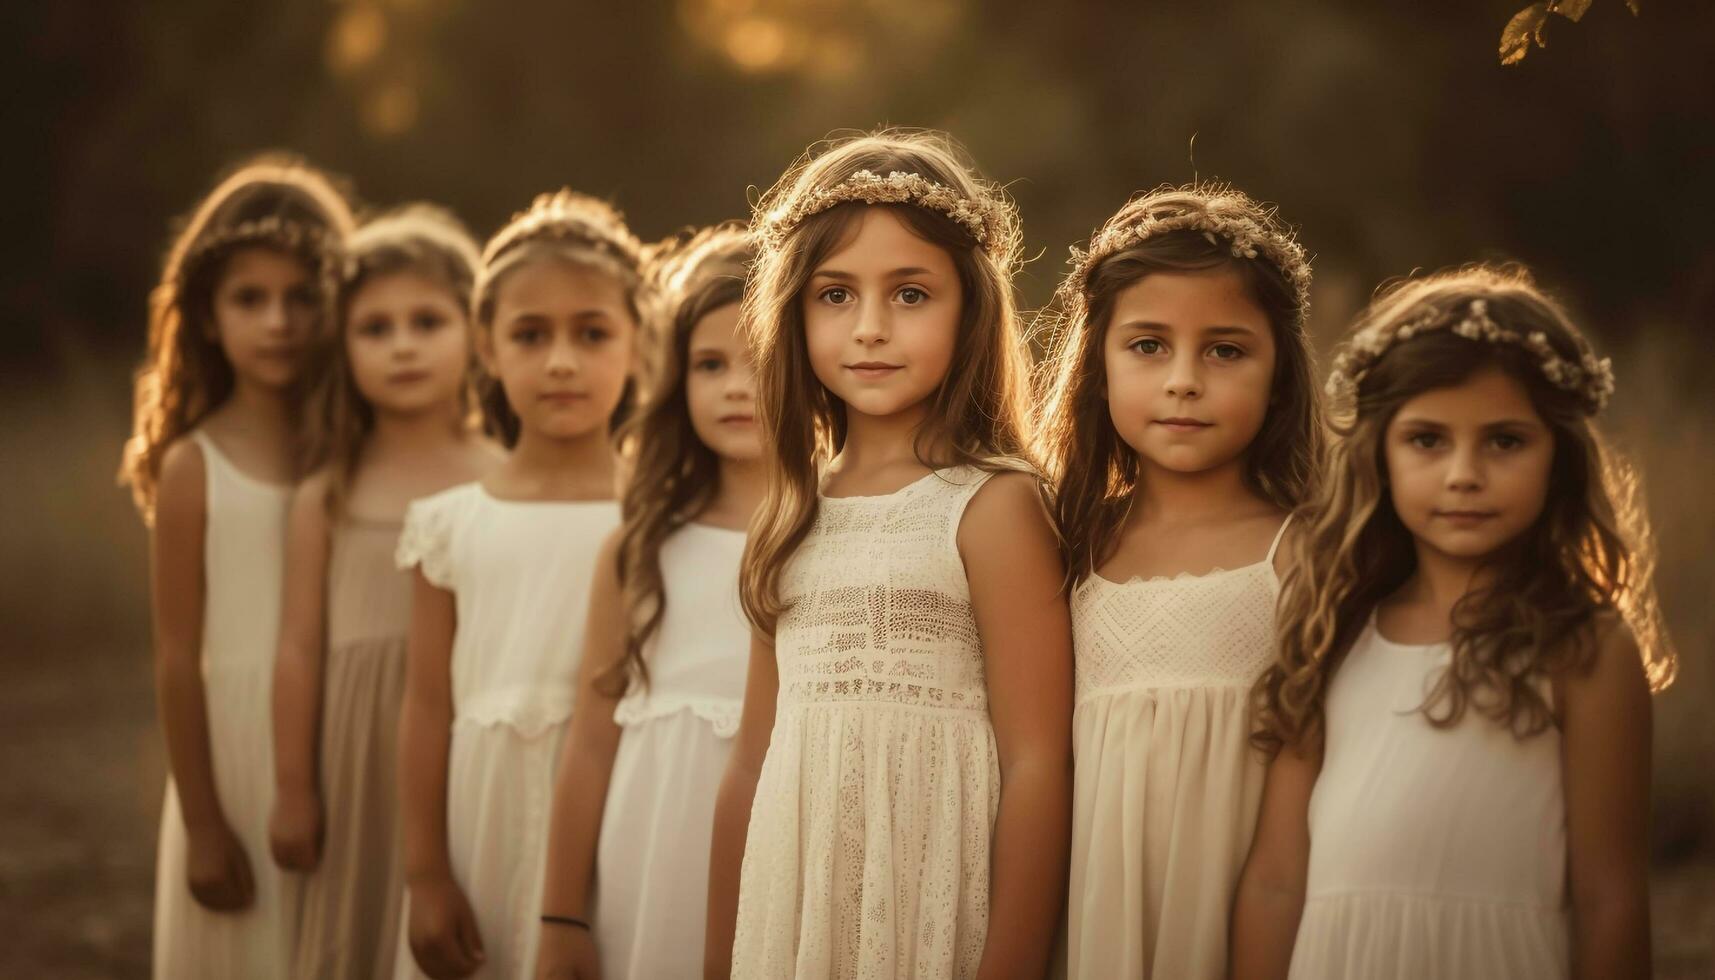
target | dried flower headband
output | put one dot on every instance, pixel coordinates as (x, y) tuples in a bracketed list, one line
[(305, 241), (982, 218), (1590, 378), (1243, 236)]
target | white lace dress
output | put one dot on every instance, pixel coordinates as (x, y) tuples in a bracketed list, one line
[(1434, 852), (652, 872), (869, 843), (243, 558), (1166, 786), (520, 574)]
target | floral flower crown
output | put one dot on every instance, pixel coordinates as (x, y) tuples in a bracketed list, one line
[(1225, 216), (985, 219), (309, 243), (1590, 378)]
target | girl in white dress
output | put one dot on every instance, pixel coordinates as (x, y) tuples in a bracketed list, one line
[(503, 567), (211, 463), (390, 420), (1468, 641), (662, 679), (1181, 425), (897, 800)]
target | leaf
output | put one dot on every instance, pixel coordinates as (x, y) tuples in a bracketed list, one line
[(1525, 27), (1574, 10), (1632, 5)]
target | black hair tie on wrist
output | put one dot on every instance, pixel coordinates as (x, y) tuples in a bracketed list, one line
[(566, 920)]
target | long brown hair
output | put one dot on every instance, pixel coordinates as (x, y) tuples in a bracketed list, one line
[(567, 226), (1095, 475), (421, 238), (978, 415), (275, 201), (674, 475), (1590, 553)]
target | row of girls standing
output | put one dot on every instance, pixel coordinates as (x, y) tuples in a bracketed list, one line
[(950, 594)]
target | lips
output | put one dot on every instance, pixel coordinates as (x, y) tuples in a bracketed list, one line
[(1182, 424), (562, 397), (1465, 518), (736, 419), (872, 370), (407, 377)]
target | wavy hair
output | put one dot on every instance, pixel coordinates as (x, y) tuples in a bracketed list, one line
[(424, 239), (1094, 474), (274, 201), (569, 227), (674, 475), (1588, 555), (980, 412)]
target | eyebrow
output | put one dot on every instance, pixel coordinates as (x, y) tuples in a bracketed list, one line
[(1428, 423), (900, 273), (1221, 330)]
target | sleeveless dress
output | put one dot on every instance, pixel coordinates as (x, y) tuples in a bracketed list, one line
[(243, 560), (1433, 852), (351, 900), (652, 872), (1166, 785), (869, 841), (520, 574)]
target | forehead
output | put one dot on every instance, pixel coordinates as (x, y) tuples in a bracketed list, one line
[(264, 262), (554, 281), (1210, 297), (716, 328), (1488, 395), (879, 241), (402, 285)]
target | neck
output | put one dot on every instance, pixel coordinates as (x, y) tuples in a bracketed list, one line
[(588, 456), (1192, 498), (263, 409), (1441, 580), (413, 431), (875, 442), (742, 485)]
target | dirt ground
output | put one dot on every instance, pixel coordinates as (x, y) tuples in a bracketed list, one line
[(80, 807)]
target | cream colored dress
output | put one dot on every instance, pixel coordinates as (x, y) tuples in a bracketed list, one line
[(520, 575), (351, 900), (652, 875), (869, 843), (243, 557), (1166, 786), (1433, 852)]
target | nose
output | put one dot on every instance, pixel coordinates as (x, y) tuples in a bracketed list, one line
[(1465, 469), (562, 357), (277, 314), (1184, 376), (740, 381), (874, 323)]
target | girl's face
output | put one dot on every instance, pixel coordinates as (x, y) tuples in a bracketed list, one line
[(720, 388), (1189, 361), (264, 312), (561, 345), (406, 338), (881, 317), (1468, 465)]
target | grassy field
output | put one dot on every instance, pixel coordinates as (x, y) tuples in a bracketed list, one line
[(82, 763)]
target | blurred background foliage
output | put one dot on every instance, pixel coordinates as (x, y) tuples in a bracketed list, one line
[(1388, 132)]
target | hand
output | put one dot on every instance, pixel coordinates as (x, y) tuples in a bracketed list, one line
[(567, 953), (217, 870), (295, 831), (443, 934)]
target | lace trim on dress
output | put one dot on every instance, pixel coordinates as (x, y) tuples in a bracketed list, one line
[(722, 714), (426, 543)]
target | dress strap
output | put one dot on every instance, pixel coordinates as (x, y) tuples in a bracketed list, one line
[(1275, 545)]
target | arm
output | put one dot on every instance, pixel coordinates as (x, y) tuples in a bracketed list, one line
[(295, 829), (216, 866), (732, 806), (1605, 761), (580, 790), (1013, 564), (1270, 895), (442, 929)]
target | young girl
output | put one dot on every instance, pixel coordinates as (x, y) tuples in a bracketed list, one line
[(1467, 645), (1181, 425), (503, 567), (391, 423), (211, 466), (898, 797), (662, 677)]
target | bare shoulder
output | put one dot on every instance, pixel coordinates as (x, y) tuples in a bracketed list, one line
[(309, 497), (1612, 680), (183, 476), (1007, 514)]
